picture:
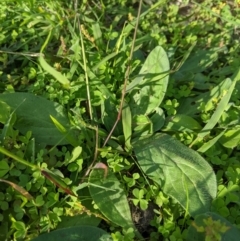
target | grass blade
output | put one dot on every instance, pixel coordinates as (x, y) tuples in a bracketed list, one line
[(59, 77), (219, 110), (127, 124), (17, 158)]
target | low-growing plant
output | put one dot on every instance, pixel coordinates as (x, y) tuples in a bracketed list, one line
[(97, 132)]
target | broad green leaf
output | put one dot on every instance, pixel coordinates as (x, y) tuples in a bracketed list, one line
[(79, 233), (148, 89), (185, 175), (231, 138), (109, 196), (33, 114), (182, 123), (78, 218), (157, 119), (210, 224), (8, 124), (109, 116)]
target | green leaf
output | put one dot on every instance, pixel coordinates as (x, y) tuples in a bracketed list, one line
[(72, 167), (75, 154), (79, 233), (135, 201), (17, 158), (197, 63), (148, 89), (19, 225), (157, 119), (231, 138), (138, 193), (78, 220), (63, 130), (4, 168), (143, 204), (109, 116), (142, 125), (39, 201), (127, 124), (97, 33), (191, 106), (59, 77), (219, 110), (210, 143), (8, 125), (33, 114), (109, 196), (5, 112), (187, 176), (182, 123)]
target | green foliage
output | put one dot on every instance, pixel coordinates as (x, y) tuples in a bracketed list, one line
[(76, 233), (32, 112), (139, 199), (109, 196), (181, 172), (62, 79)]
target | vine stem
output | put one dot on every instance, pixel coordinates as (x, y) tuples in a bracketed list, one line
[(127, 73)]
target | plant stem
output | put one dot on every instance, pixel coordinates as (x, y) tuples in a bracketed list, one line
[(17, 158), (127, 73)]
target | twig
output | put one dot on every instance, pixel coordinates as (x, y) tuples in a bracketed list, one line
[(127, 73)]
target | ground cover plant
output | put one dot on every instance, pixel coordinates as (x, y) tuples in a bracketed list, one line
[(119, 120)]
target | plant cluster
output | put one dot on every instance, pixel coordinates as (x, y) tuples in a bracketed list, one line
[(119, 120)]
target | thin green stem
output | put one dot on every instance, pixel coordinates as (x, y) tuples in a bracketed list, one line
[(46, 41), (17, 158), (85, 71)]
